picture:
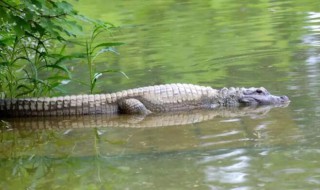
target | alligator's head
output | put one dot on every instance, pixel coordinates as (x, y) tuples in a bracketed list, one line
[(251, 97), (260, 96)]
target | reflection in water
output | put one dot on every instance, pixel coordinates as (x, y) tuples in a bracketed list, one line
[(136, 121), (313, 19), (233, 173), (266, 168), (212, 149), (125, 134), (313, 59)]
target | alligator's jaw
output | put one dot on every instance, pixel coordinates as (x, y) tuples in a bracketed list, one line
[(254, 100)]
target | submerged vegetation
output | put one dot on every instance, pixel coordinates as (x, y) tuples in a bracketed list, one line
[(34, 36)]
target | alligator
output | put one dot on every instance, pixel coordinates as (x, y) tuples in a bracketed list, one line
[(143, 101)]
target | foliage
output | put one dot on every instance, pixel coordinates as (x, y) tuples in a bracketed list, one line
[(31, 32), (94, 50)]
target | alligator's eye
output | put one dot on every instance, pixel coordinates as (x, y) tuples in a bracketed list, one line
[(259, 91)]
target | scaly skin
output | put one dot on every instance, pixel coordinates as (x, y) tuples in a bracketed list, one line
[(144, 100)]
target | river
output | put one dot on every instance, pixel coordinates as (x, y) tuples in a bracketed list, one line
[(274, 44)]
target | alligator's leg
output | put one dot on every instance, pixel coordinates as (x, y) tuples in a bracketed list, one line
[(132, 106)]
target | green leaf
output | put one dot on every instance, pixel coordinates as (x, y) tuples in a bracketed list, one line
[(63, 48), (37, 28), (3, 14), (21, 26), (7, 41), (36, 3), (124, 74), (63, 58), (58, 78), (97, 75), (25, 90), (59, 67), (4, 63), (115, 71), (65, 7), (107, 45), (104, 50), (71, 28), (94, 80)]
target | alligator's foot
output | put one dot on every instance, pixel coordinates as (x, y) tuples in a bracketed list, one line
[(132, 106)]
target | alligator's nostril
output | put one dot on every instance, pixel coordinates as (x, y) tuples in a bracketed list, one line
[(284, 98)]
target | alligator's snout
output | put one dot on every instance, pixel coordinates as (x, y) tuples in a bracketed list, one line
[(284, 99), (263, 100), (260, 96)]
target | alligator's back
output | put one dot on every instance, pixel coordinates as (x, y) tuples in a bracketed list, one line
[(159, 98)]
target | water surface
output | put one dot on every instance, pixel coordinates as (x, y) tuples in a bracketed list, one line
[(216, 43)]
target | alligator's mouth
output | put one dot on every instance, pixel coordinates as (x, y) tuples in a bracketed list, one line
[(254, 100)]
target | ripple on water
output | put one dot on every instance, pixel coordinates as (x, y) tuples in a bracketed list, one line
[(228, 154), (228, 134), (230, 120), (313, 180), (229, 167), (233, 132)]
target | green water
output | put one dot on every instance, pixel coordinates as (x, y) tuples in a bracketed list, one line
[(275, 44)]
